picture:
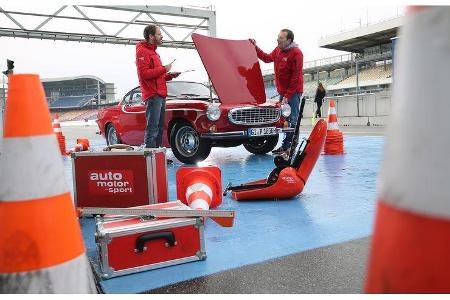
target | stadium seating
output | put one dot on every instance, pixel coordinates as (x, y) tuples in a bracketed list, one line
[(309, 87), (372, 79), (71, 101), (71, 115), (88, 115), (372, 76)]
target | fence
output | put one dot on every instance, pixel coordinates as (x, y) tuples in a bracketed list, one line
[(352, 110)]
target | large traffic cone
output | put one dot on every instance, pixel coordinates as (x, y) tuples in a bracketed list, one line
[(59, 135), (411, 240), (41, 248), (200, 188), (334, 143)]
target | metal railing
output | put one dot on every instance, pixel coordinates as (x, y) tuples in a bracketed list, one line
[(338, 59), (328, 61)]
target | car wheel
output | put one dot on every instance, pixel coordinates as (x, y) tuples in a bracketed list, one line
[(186, 144), (111, 135), (262, 145)]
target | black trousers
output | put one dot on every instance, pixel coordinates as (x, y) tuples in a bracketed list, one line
[(318, 113)]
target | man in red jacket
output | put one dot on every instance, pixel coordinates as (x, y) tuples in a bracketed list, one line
[(152, 79), (288, 66)]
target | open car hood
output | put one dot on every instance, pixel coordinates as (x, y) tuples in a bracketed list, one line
[(233, 68)]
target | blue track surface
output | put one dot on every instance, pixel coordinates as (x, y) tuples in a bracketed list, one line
[(337, 205)]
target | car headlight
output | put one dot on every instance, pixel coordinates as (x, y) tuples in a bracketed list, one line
[(213, 112), (286, 110)]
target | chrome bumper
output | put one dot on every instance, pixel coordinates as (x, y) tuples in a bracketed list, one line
[(238, 134)]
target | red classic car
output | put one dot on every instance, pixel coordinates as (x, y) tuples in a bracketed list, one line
[(197, 119)]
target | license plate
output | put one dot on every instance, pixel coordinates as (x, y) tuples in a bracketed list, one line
[(261, 131)]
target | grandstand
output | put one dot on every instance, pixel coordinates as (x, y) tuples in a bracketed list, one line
[(77, 98), (72, 101), (77, 92), (371, 79), (339, 80), (350, 78), (78, 115)]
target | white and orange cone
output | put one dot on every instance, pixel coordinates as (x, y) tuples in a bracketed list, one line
[(199, 187), (411, 240), (59, 135), (81, 145), (42, 250), (334, 142)]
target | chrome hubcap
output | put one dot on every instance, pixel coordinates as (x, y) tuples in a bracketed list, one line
[(187, 141)]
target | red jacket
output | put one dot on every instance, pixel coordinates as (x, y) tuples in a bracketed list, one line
[(288, 69), (151, 73)]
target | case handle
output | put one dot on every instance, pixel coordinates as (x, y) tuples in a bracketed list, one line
[(167, 235), (118, 146)]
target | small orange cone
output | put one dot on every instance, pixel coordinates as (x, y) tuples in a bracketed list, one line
[(59, 135), (82, 145), (411, 239), (334, 143), (42, 249), (200, 188)]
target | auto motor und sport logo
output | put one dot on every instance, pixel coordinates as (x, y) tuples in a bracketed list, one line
[(111, 182)]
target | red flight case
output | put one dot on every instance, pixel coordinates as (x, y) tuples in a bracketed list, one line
[(127, 244), (119, 178)]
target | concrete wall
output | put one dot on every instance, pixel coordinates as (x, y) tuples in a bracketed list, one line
[(372, 108)]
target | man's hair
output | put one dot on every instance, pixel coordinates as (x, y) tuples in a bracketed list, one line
[(289, 34), (149, 30)]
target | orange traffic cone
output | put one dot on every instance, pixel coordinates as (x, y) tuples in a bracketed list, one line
[(41, 249), (59, 135), (411, 239), (200, 188), (81, 145), (334, 143)]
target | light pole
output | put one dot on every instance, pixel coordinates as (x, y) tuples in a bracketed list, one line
[(9, 70), (2, 109)]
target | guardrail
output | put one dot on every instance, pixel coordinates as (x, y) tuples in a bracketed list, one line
[(365, 105)]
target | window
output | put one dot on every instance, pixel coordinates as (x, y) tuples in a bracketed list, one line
[(136, 98), (184, 88), (126, 99)]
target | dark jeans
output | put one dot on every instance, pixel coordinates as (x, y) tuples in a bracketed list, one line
[(154, 114), (318, 113), (294, 102)]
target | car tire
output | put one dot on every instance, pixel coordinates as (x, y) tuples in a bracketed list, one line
[(262, 145), (111, 135), (186, 144)]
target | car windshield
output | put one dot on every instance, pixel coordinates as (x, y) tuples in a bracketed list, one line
[(188, 89), (175, 89)]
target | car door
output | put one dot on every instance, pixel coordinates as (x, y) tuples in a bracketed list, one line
[(132, 118)]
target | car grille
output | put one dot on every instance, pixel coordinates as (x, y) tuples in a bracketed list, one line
[(254, 115)]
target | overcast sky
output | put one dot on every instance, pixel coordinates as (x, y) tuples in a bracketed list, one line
[(260, 20)]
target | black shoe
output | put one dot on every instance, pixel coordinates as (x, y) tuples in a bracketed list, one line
[(278, 151), (169, 161)]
